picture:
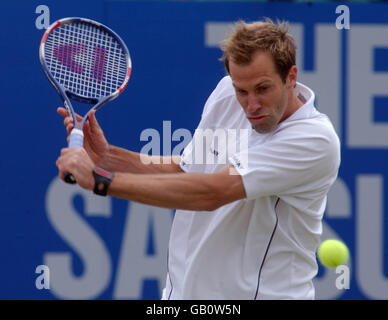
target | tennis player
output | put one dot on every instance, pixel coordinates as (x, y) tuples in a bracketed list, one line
[(244, 229)]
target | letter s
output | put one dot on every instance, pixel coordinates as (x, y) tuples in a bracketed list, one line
[(82, 238)]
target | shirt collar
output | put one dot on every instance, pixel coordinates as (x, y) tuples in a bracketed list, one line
[(307, 96)]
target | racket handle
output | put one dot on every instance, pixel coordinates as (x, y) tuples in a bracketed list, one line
[(76, 138), (68, 177), (76, 141)]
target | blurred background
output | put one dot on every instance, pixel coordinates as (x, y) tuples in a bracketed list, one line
[(107, 248)]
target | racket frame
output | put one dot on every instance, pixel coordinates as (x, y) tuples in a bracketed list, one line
[(66, 94), (76, 135)]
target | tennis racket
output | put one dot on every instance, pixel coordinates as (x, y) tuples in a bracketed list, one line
[(87, 62)]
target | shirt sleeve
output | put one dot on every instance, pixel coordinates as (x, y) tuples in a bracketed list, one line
[(292, 161), (220, 90), (186, 156)]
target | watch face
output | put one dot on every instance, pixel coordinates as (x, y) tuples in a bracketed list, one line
[(102, 172)]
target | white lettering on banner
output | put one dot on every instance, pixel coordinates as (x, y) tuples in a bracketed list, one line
[(167, 138), (363, 84), (215, 32), (135, 265), (326, 76), (369, 240), (370, 236), (339, 204), (81, 238)]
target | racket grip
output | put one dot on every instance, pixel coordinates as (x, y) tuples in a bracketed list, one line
[(76, 138), (76, 141)]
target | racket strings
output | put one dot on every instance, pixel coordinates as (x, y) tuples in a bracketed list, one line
[(85, 60)]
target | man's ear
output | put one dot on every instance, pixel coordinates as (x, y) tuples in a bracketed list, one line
[(291, 77)]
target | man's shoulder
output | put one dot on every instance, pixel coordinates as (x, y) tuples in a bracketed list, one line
[(224, 89), (316, 132), (222, 101)]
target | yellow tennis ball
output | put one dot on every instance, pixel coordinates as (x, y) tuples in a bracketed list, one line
[(332, 253)]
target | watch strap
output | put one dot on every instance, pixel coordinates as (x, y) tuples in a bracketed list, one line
[(102, 180)]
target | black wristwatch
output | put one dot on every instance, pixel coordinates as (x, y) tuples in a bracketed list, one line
[(102, 180)]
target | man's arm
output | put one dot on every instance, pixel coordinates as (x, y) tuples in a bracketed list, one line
[(187, 191), (122, 160), (114, 158)]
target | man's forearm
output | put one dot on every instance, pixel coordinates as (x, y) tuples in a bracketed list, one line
[(122, 160), (187, 191)]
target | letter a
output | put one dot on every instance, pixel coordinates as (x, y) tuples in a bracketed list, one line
[(342, 21), (43, 21), (342, 281), (43, 281)]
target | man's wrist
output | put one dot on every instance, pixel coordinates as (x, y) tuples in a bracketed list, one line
[(105, 160), (102, 180)]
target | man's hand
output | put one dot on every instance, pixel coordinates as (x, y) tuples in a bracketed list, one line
[(95, 142), (78, 163)]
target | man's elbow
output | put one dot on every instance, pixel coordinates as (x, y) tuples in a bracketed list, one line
[(221, 191), (214, 203), (206, 206)]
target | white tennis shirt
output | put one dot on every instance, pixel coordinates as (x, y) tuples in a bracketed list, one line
[(261, 247)]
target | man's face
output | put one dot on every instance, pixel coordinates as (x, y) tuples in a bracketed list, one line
[(261, 92)]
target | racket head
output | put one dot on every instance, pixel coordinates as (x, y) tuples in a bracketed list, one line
[(85, 61)]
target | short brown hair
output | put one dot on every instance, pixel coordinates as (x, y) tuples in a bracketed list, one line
[(267, 36)]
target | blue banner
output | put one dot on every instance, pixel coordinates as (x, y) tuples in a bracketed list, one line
[(61, 242)]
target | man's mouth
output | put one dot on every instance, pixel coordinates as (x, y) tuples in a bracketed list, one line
[(257, 119)]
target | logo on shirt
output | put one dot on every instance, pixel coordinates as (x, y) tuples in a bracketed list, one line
[(237, 163), (214, 151)]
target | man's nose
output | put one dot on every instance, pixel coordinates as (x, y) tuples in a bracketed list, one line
[(253, 103)]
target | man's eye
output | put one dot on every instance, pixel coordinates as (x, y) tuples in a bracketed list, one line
[(262, 89), (241, 92)]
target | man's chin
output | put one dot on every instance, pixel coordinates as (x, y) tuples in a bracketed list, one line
[(262, 129)]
